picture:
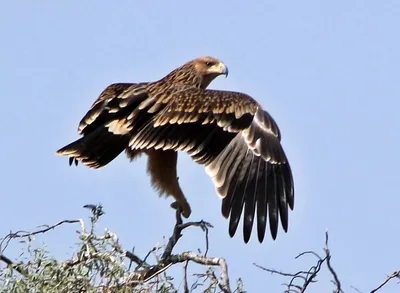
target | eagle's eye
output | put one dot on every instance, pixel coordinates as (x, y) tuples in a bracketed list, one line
[(209, 64)]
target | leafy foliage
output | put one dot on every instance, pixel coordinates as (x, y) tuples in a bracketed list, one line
[(100, 264)]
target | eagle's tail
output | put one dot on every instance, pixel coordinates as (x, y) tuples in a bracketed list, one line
[(96, 149)]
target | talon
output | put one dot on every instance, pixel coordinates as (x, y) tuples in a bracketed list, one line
[(185, 209)]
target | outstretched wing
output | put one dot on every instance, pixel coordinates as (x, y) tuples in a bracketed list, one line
[(252, 173), (114, 102), (238, 142), (104, 135)]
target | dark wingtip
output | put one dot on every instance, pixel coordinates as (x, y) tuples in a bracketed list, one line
[(226, 207), (233, 224), (246, 236), (261, 237), (261, 227), (231, 232), (248, 225), (274, 230), (72, 161)]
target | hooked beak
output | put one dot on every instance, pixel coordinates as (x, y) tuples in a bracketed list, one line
[(223, 69), (218, 69)]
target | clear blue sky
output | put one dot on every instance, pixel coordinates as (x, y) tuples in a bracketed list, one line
[(328, 72)]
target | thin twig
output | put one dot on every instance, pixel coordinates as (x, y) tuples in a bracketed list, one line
[(315, 270), (185, 281), (392, 276), (328, 263), (25, 234), (309, 277), (149, 253), (272, 271), (356, 289), (308, 252)]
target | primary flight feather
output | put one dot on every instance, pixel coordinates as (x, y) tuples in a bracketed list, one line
[(228, 132)]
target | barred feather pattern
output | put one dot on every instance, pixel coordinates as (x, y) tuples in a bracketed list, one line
[(238, 142)]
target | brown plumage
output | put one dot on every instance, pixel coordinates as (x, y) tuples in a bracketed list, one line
[(228, 132)]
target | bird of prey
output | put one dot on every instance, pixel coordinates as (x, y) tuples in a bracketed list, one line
[(227, 132)]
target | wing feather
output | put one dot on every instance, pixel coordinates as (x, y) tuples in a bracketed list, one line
[(262, 201), (237, 141), (238, 193), (269, 185), (251, 197), (111, 104), (104, 127)]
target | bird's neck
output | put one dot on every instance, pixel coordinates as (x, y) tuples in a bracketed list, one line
[(184, 77)]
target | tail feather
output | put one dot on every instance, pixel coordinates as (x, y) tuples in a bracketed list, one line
[(96, 149)]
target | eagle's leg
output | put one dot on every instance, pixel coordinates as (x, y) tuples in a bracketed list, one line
[(162, 169)]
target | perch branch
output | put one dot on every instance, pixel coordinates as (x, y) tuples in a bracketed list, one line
[(176, 235), (168, 259)]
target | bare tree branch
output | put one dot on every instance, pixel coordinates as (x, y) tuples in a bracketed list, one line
[(185, 281), (168, 259), (308, 277), (147, 274), (328, 263), (179, 227), (272, 271), (356, 289), (25, 234), (388, 279)]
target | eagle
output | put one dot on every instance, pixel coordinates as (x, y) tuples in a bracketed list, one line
[(237, 141)]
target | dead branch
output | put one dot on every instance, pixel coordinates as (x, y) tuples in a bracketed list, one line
[(330, 268), (26, 234), (308, 277), (299, 274), (179, 227), (185, 281), (388, 279)]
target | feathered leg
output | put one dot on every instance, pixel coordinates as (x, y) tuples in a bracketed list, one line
[(162, 169)]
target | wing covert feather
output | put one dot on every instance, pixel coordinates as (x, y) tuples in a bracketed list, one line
[(113, 103)]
